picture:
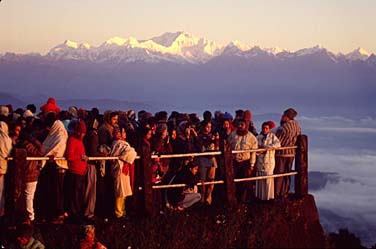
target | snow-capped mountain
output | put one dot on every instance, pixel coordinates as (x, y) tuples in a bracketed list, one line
[(182, 47), (358, 54)]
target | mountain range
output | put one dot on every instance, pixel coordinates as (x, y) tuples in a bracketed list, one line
[(178, 47), (181, 71)]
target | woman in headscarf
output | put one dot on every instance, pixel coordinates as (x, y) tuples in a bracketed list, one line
[(54, 172), (122, 169), (5, 149), (265, 162)]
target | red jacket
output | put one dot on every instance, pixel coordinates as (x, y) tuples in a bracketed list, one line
[(74, 152), (50, 106)]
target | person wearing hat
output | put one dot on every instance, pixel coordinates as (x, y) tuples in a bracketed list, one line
[(77, 164), (244, 162), (50, 106), (287, 133), (265, 162)]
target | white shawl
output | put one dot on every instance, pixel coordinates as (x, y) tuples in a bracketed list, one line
[(5, 147), (56, 142), (122, 183)]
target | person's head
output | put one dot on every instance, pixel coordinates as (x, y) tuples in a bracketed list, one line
[(32, 108), (239, 114), (247, 115), (80, 130), (16, 129), (206, 128), (187, 129), (207, 116), (119, 133), (162, 131), (146, 132), (242, 125), (50, 119), (288, 115), (226, 124), (94, 113), (113, 118), (24, 233), (193, 167), (173, 134), (140, 115)]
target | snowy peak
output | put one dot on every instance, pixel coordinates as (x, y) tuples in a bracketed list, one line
[(70, 44), (358, 54), (308, 51), (183, 47), (239, 45), (115, 41)]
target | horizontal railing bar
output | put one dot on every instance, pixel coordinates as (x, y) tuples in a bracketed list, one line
[(184, 185), (212, 153), (222, 182), (264, 177), (263, 149)]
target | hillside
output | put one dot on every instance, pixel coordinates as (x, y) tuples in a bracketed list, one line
[(287, 224)]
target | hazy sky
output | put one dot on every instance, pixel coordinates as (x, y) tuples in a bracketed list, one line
[(339, 25)]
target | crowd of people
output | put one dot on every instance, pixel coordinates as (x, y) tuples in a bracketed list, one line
[(78, 189)]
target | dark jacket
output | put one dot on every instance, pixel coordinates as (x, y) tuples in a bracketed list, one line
[(33, 149), (185, 176)]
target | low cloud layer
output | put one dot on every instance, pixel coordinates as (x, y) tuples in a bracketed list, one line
[(352, 196)]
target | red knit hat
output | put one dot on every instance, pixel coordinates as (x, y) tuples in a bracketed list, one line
[(247, 115), (271, 124)]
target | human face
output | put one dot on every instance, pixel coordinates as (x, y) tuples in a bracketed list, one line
[(117, 135), (164, 134), (208, 128), (226, 124), (241, 125), (114, 120), (123, 134), (17, 130), (194, 170), (173, 134), (265, 129)]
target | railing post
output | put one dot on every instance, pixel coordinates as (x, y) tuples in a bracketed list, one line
[(301, 166), (19, 166), (229, 174), (148, 184)]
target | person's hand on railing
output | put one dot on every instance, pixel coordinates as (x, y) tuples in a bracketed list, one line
[(51, 158), (84, 158)]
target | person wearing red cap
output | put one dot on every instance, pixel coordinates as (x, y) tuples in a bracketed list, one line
[(77, 163), (50, 106), (265, 162)]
